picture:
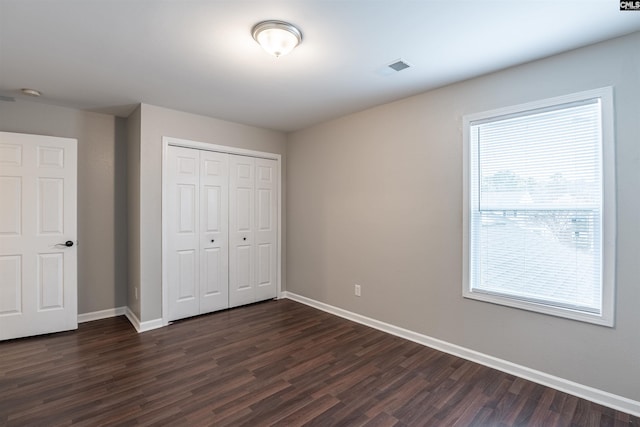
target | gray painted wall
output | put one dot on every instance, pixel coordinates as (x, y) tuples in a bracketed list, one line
[(102, 211), (157, 122), (133, 209), (375, 198)]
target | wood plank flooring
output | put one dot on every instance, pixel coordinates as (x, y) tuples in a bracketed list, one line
[(273, 363)]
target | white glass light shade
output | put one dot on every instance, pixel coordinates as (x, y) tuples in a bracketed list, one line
[(276, 37)]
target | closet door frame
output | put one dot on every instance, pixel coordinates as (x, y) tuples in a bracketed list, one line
[(178, 142)]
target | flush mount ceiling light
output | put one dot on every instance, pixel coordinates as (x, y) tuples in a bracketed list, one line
[(30, 92), (276, 37)]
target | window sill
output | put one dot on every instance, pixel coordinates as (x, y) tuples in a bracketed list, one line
[(567, 313)]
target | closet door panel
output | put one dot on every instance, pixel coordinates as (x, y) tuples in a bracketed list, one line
[(266, 227), (214, 229), (183, 241), (241, 230)]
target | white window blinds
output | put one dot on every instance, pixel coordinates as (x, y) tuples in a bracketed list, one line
[(536, 206)]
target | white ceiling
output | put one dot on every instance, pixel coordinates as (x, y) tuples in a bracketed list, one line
[(198, 55)]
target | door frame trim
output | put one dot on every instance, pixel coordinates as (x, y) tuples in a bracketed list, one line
[(185, 143)]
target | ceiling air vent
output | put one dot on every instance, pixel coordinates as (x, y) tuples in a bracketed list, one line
[(399, 65)]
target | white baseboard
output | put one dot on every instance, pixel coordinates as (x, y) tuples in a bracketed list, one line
[(119, 311), (579, 390), (102, 314), (142, 326)]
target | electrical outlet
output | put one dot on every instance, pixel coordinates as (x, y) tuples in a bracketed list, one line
[(356, 290)]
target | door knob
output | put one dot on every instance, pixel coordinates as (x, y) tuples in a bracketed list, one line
[(68, 243), (213, 240), (244, 238)]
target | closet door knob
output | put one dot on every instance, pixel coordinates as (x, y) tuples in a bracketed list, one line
[(244, 238), (213, 240)]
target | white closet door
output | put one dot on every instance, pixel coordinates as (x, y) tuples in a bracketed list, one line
[(265, 236), (214, 230), (183, 243), (222, 230), (241, 230), (38, 255)]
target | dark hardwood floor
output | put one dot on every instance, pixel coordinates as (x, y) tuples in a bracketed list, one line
[(277, 362)]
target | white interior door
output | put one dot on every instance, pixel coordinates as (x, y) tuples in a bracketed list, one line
[(198, 217), (38, 232), (241, 230), (183, 243), (214, 231), (253, 230), (221, 220), (266, 228)]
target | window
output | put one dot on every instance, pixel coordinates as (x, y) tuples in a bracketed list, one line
[(539, 206)]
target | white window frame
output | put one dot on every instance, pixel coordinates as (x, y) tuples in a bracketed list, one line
[(607, 315)]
